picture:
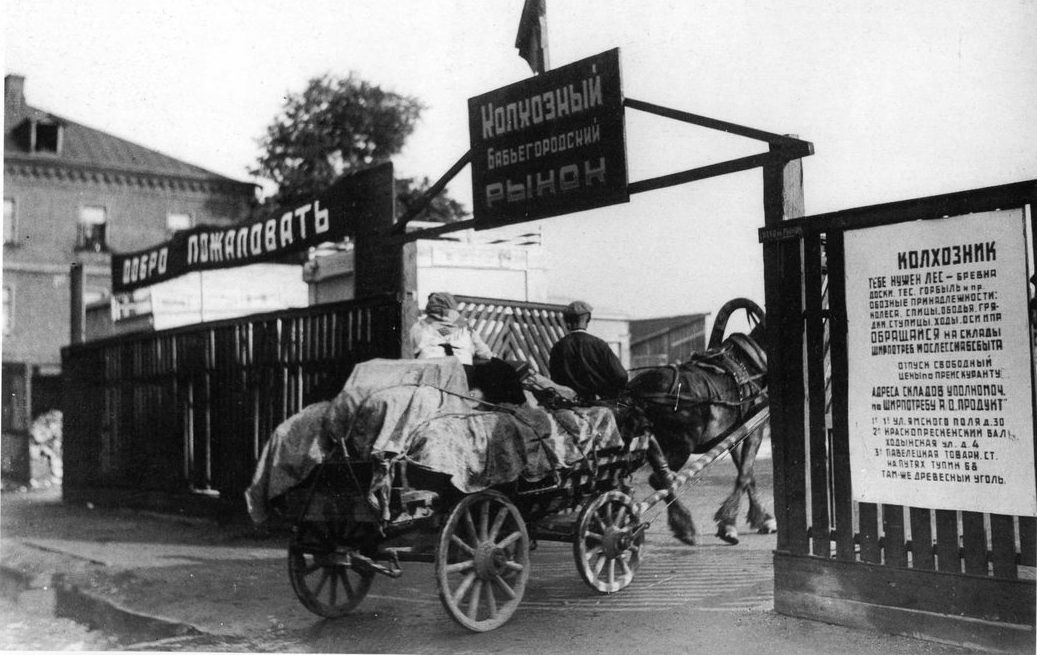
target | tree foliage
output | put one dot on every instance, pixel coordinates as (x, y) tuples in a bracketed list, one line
[(442, 208), (335, 126)]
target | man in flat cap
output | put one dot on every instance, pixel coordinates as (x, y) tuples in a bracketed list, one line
[(584, 362)]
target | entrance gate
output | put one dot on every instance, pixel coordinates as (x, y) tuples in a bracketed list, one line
[(963, 577)]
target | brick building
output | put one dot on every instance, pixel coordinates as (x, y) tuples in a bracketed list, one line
[(73, 194)]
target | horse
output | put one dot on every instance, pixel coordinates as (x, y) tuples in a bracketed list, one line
[(689, 407)]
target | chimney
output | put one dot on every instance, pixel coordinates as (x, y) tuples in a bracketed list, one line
[(14, 92)]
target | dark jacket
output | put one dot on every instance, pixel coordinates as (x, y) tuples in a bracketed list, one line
[(585, 363)]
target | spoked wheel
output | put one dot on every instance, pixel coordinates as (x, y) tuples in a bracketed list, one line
[(482, 561), (607, 544), (324, 576)]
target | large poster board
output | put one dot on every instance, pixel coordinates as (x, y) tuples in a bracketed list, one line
[(549, 145), (941, 404)]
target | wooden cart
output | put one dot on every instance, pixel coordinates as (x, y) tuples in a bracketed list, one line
[(480, 543)]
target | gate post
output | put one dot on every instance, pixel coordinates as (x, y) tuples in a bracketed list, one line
[(408, 294), (783, 199), (76, 309), (383, 265)]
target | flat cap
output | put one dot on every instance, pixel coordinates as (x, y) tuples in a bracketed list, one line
[(577, 308)]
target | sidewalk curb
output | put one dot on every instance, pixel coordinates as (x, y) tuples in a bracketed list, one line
[(97, 612)]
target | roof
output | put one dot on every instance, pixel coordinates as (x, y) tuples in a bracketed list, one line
[(88, 147), (646, 328)]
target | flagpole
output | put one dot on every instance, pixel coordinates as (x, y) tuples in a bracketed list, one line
[(531, 39), (543, 59)]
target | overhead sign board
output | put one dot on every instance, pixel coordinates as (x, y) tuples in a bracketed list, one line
[(941, 405), (550, 145), (330, 217)]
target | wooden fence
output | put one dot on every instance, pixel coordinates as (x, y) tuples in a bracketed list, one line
[(962, 577), (522, 331), (188, 409), (181, 413)]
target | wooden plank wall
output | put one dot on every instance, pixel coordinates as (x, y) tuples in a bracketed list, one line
[(191, 408)]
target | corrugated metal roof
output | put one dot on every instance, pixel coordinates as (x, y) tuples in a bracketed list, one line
[(86, 146)]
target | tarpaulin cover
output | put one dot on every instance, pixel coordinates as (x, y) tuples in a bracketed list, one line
[(295, 448), (419, 410)]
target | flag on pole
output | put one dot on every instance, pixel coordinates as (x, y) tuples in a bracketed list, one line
[(531, 40)]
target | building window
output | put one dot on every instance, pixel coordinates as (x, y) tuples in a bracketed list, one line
[(10, 231), (177, 222), (92, 223), (8, 310), (46, 137)]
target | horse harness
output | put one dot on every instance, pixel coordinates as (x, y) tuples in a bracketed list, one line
[(748, 373)]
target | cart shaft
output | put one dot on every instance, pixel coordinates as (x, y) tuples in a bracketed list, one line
[(754, 422)]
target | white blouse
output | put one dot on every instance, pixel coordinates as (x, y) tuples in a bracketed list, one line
[(461, 342)]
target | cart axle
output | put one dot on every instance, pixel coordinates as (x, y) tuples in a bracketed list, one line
[(362, 564)]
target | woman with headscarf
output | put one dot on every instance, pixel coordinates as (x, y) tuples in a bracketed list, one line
[(443, 332)]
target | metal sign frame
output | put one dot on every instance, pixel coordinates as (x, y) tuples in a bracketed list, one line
[(782, 149)]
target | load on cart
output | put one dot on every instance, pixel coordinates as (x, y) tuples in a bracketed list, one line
[(403, 465)]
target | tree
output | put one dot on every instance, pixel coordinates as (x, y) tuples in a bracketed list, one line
[(442, 208), (337, 125)]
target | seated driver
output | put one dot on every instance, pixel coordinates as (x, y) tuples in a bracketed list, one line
[(584, 362), (443, 332)]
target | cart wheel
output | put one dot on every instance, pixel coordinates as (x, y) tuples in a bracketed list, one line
[(482, 561), (606, 543), (322, 573)]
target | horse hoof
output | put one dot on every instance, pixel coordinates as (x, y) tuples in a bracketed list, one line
[(686, 538), (770, 526), (728, 533)]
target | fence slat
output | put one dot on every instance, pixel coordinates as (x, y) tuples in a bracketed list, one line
[(785, 362), (894, 550), (1002, 538), (844, 530), (818, 436), (974, 540), (922, 539), (948, 553), (1028, 540), (869, 518)]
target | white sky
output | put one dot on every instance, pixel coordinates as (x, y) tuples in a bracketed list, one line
[(901, 100)]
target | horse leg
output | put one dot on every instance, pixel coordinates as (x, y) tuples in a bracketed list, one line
[(744, 459), (677, 515), (727, 515), (759, 518)]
